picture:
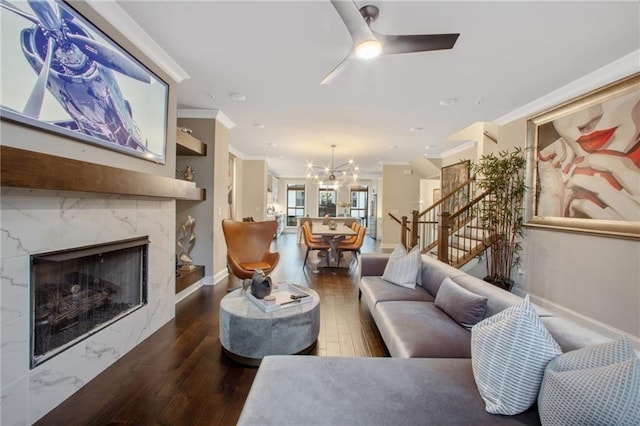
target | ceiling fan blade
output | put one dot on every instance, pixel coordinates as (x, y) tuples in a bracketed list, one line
[(34, 103), (336, 71), (353, 20), (415, 43), (109, 57)]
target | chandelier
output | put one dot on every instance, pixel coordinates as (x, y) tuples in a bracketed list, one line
[(333, 174)]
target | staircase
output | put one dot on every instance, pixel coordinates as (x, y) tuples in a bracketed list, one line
[(449, 229)]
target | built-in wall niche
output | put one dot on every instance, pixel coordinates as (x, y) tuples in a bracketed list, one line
[(77, 292)]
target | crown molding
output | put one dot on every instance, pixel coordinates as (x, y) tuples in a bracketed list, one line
[(452, 151), (235, 152), (113, 12), (216, 114), (224, 119), (616, 70)]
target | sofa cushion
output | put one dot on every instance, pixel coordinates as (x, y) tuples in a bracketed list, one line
[(433, 272), (368, 391), (372, 264), (421, 330), (375, 290), (509, 353), (465, 307), (593, 385), (497, 299), (571, 335), (402, 268)]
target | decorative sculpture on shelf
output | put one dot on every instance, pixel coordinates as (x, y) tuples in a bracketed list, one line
[(186, 242), (189, 173)]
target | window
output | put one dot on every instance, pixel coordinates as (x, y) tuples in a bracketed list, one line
[(358, 197), (327, 201), (295, 203)]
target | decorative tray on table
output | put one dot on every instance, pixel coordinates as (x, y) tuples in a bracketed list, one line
[(286, 296)]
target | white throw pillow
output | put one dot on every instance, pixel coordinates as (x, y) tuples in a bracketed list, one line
[(509, 352), (402, 268), (594, 385)]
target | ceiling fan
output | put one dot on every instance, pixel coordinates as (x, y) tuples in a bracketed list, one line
[(368, 44)]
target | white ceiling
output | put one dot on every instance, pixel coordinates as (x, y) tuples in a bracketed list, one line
[(508, 54)]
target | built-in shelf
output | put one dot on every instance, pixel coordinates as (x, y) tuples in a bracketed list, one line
[(34, 170), (186, 277), (188, 145)]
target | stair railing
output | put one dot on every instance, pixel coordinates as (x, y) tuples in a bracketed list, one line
[(439, 225), (426, 223), (405, 231), (462, 231)]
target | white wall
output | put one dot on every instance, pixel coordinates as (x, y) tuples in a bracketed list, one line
[(254, 189), (400, 196), (426, 191)]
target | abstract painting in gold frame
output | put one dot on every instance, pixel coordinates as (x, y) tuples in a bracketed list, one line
[(584, 163)]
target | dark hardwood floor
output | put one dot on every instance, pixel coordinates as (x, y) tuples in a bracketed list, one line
[(180, 376)]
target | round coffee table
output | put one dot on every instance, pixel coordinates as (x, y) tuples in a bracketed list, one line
[(248, 334)]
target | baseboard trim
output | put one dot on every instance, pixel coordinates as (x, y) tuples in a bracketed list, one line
[(217, 278), (189, 290), (388, 247)]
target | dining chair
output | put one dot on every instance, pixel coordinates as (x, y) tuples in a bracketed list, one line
[(248, 247), (353, 247), (312, 237), (313, 243), (352, 239)]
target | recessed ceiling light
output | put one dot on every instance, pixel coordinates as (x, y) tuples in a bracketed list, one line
[(448, 101), (479, 101), (209, 95), (258, 125), (416, 129), (238, 96), (427, 147)]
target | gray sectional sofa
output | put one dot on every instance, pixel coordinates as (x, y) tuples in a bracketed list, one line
[(427, 381)]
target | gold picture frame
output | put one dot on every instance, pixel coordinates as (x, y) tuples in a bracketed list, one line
[(584, 163)]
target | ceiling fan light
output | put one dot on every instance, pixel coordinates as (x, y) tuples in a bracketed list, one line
[(368, 49)]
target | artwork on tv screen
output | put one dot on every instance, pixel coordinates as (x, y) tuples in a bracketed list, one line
[(61, 74)]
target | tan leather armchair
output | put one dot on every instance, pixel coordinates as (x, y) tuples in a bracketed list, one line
[(248, 247)]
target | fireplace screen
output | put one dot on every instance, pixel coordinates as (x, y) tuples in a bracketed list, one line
[(75, 293)]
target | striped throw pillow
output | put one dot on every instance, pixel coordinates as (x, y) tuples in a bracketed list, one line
[(402, 268), (509, 352), (590, 386)]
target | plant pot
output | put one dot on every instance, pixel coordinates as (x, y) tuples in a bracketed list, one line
[(502, 282)]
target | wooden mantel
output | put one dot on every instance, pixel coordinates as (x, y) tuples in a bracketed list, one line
[(34, 170)]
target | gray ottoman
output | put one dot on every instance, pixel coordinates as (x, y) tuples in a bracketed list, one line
[(248, 334)]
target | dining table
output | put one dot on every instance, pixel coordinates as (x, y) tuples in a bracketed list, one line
[(332, 236)]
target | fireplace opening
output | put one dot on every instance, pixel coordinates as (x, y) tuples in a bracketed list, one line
[(77, 292)]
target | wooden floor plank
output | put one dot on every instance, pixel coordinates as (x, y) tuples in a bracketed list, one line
[(180, 376)]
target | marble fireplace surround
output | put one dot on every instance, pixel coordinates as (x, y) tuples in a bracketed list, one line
[(35, 221)]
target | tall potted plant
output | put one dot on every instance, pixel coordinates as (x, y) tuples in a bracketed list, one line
[(501, 213)]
